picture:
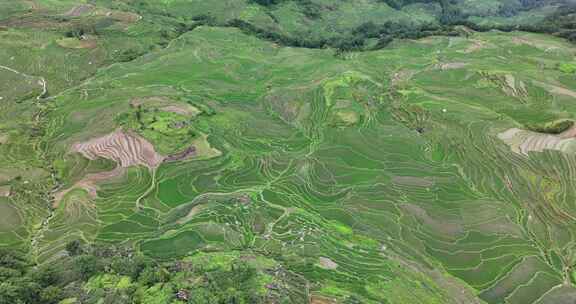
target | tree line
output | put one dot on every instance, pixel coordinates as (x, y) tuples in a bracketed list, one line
[(562, 23), (84, 272)]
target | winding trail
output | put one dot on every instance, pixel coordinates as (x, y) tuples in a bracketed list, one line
[(150, 189), (39, 233), (42, 82)]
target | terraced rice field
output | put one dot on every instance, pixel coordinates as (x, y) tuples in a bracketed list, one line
[(406, 175), (123, 148), (348, 174)]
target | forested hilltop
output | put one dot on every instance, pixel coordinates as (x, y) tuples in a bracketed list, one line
[(287, 151), (369, 25), (430, 17), (350, 25)]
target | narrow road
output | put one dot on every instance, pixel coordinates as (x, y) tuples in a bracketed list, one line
[(42, 82), (152, 186)]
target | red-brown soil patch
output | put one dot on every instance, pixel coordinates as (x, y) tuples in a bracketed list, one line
[(570, 133), (188, 153), (125, 148)]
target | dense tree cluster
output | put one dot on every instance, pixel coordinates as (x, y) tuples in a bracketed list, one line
[(512, 8), (266, 2), (398, 4), (104, 274), (373, 35), (24, 282), (563, 22), (309, 8), (356, 40)]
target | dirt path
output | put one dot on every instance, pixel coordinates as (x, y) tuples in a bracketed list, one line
[(150, 189), (40, 233), (42, 82)]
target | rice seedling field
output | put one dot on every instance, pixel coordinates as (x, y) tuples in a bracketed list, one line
[(435, 170)]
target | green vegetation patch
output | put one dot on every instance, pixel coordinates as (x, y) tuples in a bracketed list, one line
[(169, 132), (567, 67), (554, 127), (382, 167)]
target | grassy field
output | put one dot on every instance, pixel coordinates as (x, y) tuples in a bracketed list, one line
[(436, 170)]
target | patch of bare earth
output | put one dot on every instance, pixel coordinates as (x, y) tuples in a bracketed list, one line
[(89, 44), (79, 10), (315, 299), (125, 148), (450, 66), (327, 263), (570, 133), (523, 141), (5, 191)]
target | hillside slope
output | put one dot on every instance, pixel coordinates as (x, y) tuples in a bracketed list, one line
[(171, 152)]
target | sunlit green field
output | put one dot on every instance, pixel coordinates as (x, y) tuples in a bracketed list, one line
[(392, 176)]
